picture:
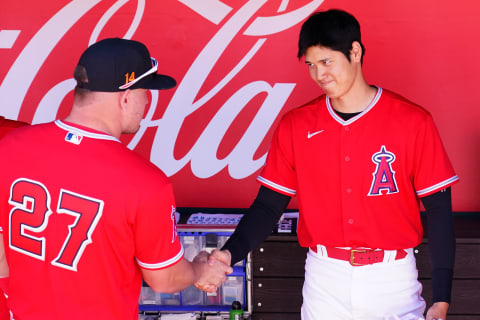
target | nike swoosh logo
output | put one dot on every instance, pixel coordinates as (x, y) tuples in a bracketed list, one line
[(311, 134)]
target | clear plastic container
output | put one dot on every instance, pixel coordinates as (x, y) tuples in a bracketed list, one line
[(213, 298), (147, 317), (192, 244), (232, 290), (192, 296), (221, 241), (148, 296), (170, 299)]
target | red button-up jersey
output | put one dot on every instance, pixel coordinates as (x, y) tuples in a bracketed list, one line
[(358, 181)]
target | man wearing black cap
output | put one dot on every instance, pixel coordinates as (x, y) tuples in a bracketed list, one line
[(83, 217)]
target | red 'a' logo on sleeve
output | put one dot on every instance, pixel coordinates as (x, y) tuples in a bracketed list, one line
[(384, 176)]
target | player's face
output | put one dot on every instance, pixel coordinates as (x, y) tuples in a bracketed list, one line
[(331, 70), (137, 101)]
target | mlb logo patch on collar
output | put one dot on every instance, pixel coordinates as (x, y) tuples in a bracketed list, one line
[(74, 138)]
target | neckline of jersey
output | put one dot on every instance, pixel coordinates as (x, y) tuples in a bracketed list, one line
[(84, 131), (358, 116)]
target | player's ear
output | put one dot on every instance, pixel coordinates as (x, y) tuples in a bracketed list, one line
[(123, 98), (356, 52)]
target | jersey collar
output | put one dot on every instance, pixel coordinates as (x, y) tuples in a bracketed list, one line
[(84, 132), (358, 116)]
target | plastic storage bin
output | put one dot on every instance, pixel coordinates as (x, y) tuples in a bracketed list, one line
[(237, 287)]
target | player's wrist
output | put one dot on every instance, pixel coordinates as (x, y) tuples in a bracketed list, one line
[(229, 255), (199, 265), (442, 305), (438, 311)]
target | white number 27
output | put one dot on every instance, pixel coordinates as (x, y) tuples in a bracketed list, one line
[(30, 215)]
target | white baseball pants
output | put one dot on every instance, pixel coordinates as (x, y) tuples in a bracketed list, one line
[(336, 290)]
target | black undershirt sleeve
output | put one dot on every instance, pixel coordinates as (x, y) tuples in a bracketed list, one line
[(257, 223), (441, 242)]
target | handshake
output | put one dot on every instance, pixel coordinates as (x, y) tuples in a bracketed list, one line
[(212, 269)]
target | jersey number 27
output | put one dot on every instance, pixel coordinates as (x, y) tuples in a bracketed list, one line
[(31, 210)]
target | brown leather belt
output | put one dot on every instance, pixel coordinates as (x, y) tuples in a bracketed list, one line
[(360, 257)]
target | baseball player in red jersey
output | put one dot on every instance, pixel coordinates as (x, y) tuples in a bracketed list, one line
[(83, 217), (358, 158), (6, 125)]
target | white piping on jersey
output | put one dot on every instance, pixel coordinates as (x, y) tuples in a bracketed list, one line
[(161, 264), (276, 186), (439, 185), (353, 119), (84, 133)]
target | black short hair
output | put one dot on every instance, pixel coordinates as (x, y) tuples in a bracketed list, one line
[(335, 29), (80, 75)]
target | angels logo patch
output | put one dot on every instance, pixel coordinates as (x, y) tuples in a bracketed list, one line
[(383, 181)]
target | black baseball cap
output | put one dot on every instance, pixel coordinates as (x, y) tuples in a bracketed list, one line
[(116, 64)]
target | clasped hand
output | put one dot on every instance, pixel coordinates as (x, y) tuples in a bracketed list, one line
[(213, 269)]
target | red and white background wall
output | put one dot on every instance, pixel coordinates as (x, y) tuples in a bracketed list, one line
[(237, 72)]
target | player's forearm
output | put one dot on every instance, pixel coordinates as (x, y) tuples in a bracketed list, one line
[(438, 311), (184, 278), (4, 270), (172, 279), (441, 242), (257, 224), (442, 280)]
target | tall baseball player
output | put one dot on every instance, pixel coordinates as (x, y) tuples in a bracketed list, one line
[(83, 217), (358, 158)]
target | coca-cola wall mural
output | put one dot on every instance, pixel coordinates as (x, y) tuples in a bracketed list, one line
[(237, 72)]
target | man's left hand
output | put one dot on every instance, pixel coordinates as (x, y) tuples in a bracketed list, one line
[(438, 311)]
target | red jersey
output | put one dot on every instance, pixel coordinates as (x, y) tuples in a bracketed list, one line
[(358, 181), (8, 125), (80, 214)]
